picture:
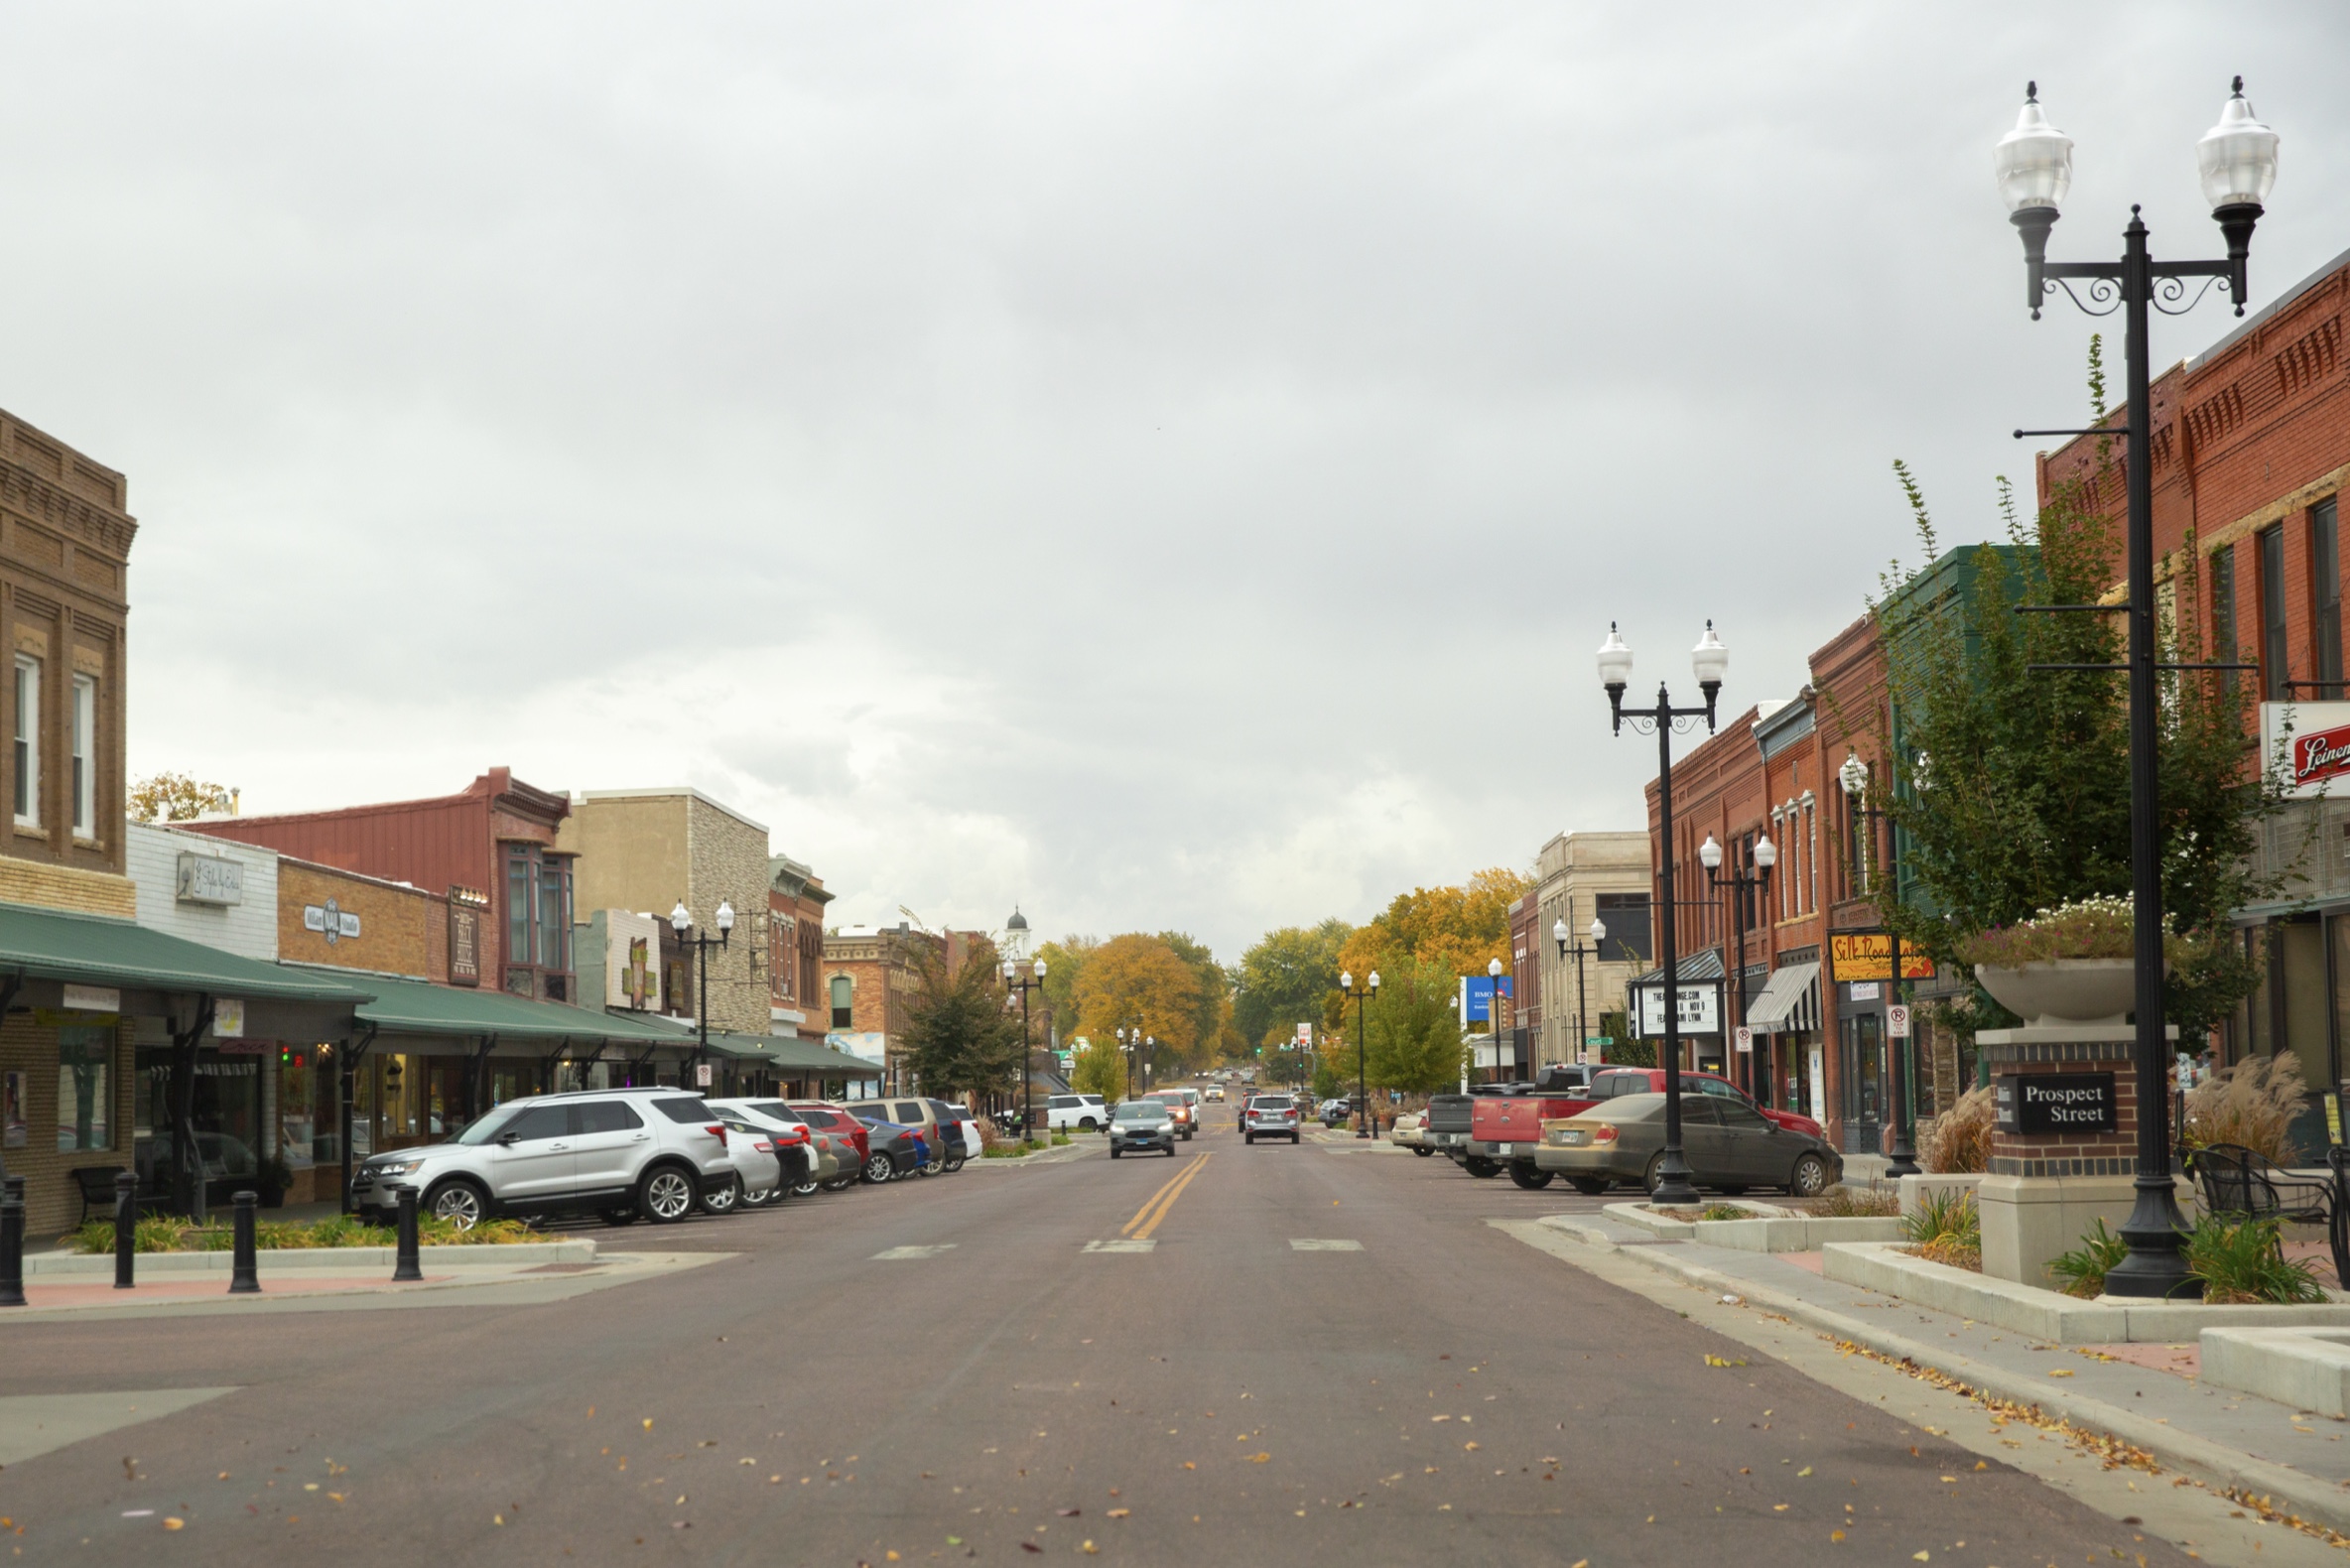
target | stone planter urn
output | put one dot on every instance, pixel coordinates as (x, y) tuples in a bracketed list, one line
[(2064, 991)]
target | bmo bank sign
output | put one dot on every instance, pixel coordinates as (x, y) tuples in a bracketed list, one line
[(2315, 739)]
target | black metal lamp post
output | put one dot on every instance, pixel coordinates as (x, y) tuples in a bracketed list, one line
[(1024, 984), (1742, 883), (1364, 1126), (1133, 1042), (1710, 662), (1901, 1158), (681, 920), (2237, 159), (1598, 933), (1492, 1011)]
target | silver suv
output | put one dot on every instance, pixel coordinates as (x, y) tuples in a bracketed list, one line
[(622, 1153)]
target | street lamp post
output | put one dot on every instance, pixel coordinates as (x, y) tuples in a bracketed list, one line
[(1365, 1124), (1598, 933), (1024, 984), (2237, 160), (1492, 1011), (1709, 660), (681, 920), (1741, 883), (1901, 1158)]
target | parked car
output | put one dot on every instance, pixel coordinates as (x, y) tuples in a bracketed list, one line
[(1407, 1131), (1180, 1110), (1269, 1117), (1142, 1124), (799, 1147), (758, 1171), (851, 1140), (1728, 1145), (1610, 1082), (1445, 1127), (623, 1154), (1505, 1126), (1076, 1113), (1334, 1112), (894, 1150), (945, 1129)]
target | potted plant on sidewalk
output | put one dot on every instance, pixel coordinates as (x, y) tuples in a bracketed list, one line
[(2074, 963)]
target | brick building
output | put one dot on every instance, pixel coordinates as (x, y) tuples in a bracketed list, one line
[(2250, 450), (870, 979), (1579, 876), (796, 900)]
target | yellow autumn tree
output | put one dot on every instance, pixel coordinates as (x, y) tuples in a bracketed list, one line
[(1460, 929), (1140, 982)]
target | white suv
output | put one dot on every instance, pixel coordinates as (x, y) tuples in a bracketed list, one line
[(623, 1154), (1076, 1114)]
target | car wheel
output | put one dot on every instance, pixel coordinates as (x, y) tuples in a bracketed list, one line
[(1115, 1151), (1086, 1125), (1733, 1192), (877, 1168), (1248, 1138), (1423, 1153), (1809, 1178), (727, 1199), (1648, 1174), (956, 1164), (1170, 1150), (665, 1195), (1482, 1168), (461, 1201), (1530, 1180), (619, 1217), (760, 1200), (840, 1184), (809, 1188), (1294, 1136), (1589, 1186)]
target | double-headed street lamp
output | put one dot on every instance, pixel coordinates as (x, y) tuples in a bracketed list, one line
[(1901, 1158), (1345, 982), (2237, 159), (1133, 1042), (1033, 980), (681, 920), (1741, 884), (1709, 660), (1598, 933)]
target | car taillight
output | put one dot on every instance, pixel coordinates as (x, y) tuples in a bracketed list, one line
[(718, 1132), (1602, 1133), (763, 1146)]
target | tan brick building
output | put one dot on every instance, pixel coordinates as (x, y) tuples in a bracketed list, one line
[(1579, 876), (648, 850)]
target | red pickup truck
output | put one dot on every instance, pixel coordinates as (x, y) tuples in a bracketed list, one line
[(1505, 1127)]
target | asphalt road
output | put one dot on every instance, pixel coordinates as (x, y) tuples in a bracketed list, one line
[(997, 1391)]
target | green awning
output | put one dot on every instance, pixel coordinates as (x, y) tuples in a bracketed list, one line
[(789, 1055), (91, 950), (411, 1006)]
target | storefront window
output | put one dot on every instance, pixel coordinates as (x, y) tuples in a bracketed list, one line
[(86, 1062)]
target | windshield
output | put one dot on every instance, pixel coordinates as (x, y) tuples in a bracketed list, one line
[(776, 1108), (489, 1126), (1269, 1103), (1142, 1110)]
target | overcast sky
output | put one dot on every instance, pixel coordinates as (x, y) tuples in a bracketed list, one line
[(1167, 465)]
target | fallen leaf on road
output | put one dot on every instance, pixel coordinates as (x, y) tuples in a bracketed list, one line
[(1778, 1508), (1119, 1513), (1806, 1470), (1188, 1464), (497, 1518), (954, 1541), (1835, 1535), (1919, 1557), (2061, 1371), (1068, 1513), (175, 1523), (1982, 1464), (1090, 1549), (648, 1424), (1949, 1478), (1440, 1418), (1258, 1459), (1031, 1547), (1472, 1447)]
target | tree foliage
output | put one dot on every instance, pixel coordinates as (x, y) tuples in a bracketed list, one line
[(1212, 1011), (958, 1037), (177, 797), (1098, 1068), (1137, 982), (1411, 1035), (1460, 928), (2010, 788), (1284, 979)]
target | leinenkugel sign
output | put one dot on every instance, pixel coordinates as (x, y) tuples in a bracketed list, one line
[(2316, 745)]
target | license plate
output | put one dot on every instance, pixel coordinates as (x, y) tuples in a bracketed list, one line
[(1572, 1137), (1506, 1149)]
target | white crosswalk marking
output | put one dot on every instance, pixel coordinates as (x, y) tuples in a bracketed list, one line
[(1307, 1244), (900, 1254), (1120, 1247)]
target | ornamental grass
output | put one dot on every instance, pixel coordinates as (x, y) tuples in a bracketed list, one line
[(2252, 1103), (1959, 1141)]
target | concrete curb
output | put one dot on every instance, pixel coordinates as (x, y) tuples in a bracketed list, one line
[(2214, 1464), (281, 1260), (1773, 1230)]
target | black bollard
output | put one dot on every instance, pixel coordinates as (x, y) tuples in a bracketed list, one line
[(126, 1227), (244, 1275), (408, 1266), (12, 1242)]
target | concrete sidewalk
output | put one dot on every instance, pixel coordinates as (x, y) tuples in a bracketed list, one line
[(2148, 1397)]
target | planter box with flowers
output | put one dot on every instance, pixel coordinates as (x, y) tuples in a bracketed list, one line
[(2070, 973)]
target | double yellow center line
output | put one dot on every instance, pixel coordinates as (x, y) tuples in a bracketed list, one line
[(1146, 1218)]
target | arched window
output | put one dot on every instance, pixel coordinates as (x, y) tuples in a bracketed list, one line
[(844, 1001)]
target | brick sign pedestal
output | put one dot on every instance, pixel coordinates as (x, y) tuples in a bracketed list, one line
[(2066, 1154)]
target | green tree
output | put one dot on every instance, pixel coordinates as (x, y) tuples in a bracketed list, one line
[(1099, 1069), (177, 797), (1283, 979), (958, 1038), (1065, 963), (2011, 787), (1214, 1006), (1411, 1035)]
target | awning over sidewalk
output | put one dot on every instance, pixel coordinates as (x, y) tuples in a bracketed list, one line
[(91, 950), (418, 1008), (787, 1056), (1789, 1004)]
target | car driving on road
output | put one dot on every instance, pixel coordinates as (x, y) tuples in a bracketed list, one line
[(1142, 1124), (1269, 1117)]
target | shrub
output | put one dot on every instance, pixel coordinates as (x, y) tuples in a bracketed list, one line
[(2245, 1261), (1946, 1227), (1855, 1203), (2252, 1103), (2083, 1269), (1960, 1139), (2089, 928), (1721, 1210)]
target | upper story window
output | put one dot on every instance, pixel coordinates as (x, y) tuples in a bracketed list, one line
[(1627, 919), (2325, 573), (843, 1003), (2276, 665), (538, 922), (85, 756), (2223, 612), (28, 741)]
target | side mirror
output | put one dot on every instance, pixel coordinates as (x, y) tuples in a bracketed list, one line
[(509, 1139)]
